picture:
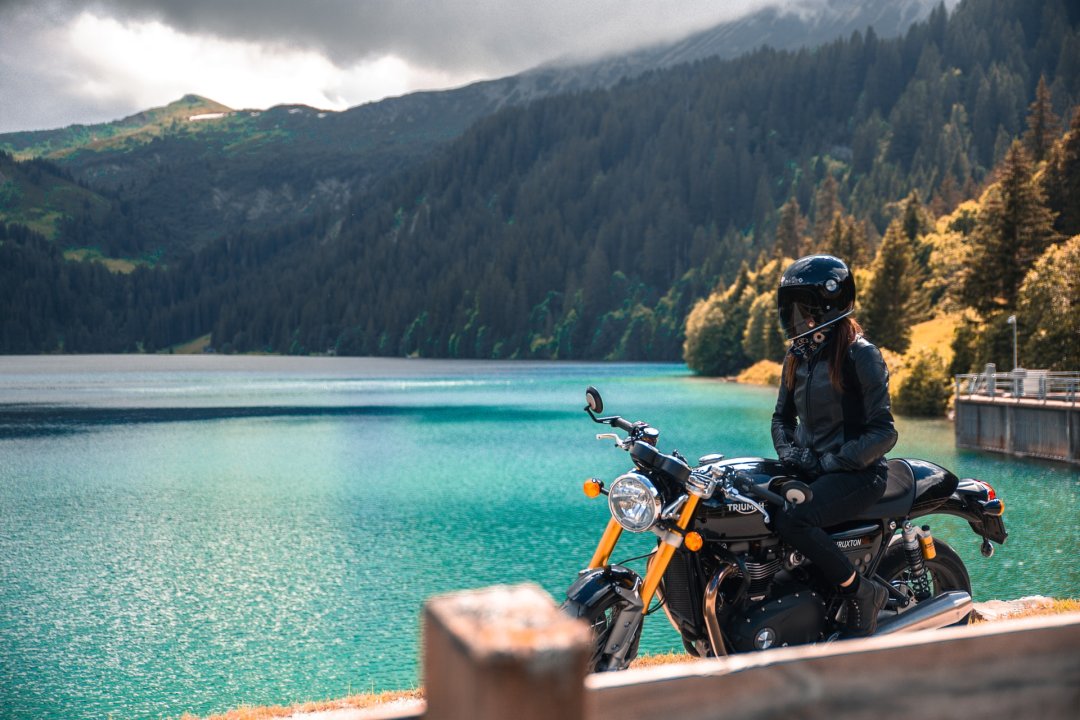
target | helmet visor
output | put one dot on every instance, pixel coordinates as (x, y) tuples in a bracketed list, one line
[(800, 311)]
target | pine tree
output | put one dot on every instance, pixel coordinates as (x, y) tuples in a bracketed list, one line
[(924, 390), (1048, 305), (789, 230), (1061, 181), (847, 241), (1044, 126), (963, 344), (763, 339), (885, 308), (715, 328), (916, 223), (826, 208), (1013, 229), (946, 199), (914, 218)]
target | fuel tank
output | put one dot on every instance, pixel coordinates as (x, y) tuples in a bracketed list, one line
[(727, 520)]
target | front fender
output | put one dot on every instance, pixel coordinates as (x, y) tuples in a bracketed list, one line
[(598, 589), (616, 589)]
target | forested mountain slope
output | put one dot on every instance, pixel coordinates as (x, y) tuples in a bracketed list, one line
[(195, 170), (588, 224), (585, 225)]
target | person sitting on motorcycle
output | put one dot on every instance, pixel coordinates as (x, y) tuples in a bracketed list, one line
[(832, 422)]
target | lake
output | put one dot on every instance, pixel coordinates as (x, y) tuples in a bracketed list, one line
[(191, 534)]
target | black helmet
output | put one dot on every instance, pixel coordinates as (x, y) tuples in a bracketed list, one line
[(815, 291)]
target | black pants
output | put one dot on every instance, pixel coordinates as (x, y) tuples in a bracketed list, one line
[(837, 497)]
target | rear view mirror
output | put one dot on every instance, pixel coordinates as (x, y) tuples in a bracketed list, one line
[(593, 400), (796, 492)]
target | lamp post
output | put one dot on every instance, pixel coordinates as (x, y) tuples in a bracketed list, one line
[(1012, 321)]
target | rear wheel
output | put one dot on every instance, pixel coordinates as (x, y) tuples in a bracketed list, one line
[(945, 572)]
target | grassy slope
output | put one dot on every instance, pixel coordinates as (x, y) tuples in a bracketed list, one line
[(39, 199), (139, 128), (194, 347), (115, 265)]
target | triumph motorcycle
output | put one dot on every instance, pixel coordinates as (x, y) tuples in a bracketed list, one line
[(725, 579)]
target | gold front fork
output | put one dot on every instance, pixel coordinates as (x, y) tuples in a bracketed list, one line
[(611, 535), (659, 563), (660, 559)]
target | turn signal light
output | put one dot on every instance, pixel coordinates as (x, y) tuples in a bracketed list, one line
[(693, 542), (593, 488), (994, 507)]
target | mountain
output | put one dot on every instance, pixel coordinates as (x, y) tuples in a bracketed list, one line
[(805, 24), (585, 225), (195, 170), (579, 225)]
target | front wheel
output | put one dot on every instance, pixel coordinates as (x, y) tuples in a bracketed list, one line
[(602, 620), (945, 572)]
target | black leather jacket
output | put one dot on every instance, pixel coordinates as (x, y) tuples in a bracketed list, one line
[(849, 431)]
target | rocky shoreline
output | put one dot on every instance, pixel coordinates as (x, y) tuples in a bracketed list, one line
[(992, 610)]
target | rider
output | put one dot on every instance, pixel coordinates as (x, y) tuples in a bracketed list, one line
[(832, 422)]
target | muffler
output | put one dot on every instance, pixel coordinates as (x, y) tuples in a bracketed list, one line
[(945, 609)]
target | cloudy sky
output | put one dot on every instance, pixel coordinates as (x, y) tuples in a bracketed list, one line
[(67, 61)]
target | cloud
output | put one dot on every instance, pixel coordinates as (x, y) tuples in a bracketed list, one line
[(64, 61), (129, 61), (454, 35)]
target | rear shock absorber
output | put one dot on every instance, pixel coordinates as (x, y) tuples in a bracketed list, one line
[(920, 581)]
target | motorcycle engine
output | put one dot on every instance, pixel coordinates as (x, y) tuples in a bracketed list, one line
[(792, 619)]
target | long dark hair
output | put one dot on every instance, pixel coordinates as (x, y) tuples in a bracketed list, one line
[(845, 331)]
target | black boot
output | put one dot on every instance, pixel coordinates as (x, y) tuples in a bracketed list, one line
[(863, 603)]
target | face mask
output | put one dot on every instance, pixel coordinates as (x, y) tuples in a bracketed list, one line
[(807, 346)]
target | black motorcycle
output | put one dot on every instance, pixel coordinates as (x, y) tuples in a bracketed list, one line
[(725, 579)]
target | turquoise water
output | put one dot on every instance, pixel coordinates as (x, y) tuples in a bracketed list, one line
[(193, 534)]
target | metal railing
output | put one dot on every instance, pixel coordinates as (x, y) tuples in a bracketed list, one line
[(1020, 384)]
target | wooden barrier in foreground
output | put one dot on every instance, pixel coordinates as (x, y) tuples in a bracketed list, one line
[(507, 653)]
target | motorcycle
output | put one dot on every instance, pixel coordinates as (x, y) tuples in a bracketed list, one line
[(725, 579)]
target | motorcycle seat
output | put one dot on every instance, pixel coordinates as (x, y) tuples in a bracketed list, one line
[(899, 494)]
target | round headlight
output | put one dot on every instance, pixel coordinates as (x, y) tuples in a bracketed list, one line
[(634, 502)]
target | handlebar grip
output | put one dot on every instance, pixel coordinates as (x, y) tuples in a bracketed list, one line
[(746, 485), (618, 422)]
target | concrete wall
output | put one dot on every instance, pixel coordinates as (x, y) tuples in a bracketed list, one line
[(1019, 427)]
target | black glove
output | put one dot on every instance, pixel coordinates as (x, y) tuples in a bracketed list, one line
[(786, 455), (802, 458)]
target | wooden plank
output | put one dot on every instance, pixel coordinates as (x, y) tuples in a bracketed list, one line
[(503, 652), (1027, 668)]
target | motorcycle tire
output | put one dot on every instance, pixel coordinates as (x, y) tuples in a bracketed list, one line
[(601, 620), (946, 571)]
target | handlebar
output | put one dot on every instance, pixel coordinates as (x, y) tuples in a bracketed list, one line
[(617, 422), (743, 483)]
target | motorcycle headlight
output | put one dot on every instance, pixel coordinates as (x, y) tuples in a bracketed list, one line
[(634, 502)]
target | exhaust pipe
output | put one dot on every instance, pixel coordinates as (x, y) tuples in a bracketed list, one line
[(945, 609)]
